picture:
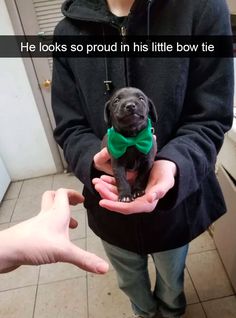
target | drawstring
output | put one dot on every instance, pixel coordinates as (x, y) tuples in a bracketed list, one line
[(127, 62), (148, 17), (107, 82)]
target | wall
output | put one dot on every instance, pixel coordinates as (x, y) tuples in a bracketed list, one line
[(23, 144)]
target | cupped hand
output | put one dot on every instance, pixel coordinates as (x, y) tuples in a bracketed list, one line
[(161, 180)]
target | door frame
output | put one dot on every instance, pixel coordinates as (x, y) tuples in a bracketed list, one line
[(5, 179), (37, 71)]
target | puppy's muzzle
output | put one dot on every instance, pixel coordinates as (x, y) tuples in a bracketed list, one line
[(130, 107)]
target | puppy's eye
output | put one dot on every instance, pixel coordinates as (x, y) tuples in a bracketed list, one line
[(141, 98), (116, 100)]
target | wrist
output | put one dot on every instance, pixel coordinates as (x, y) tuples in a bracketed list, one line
[(168, 165), (173, 168)]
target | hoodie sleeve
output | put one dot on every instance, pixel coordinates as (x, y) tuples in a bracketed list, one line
[(207, 112), (72, 131)]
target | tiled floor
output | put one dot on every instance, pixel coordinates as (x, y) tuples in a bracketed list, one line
[(64, 291)]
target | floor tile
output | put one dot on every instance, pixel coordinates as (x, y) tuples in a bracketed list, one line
[(208, 275), (202, 243), (221, 308), (152, 272), (67, 180), (190, 292), (17, 303), (13, 191), (26, 208), (21, 277), (36, 186), (78, 213), (105, 300), (61, 271), (62, 290), (62, 299), (6, 210), (194, 311), (89, 232)]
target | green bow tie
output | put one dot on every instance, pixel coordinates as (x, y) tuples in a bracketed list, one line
[(117, 144)]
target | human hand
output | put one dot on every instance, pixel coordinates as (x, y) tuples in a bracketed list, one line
[(44, 238), (102, 161), (161, 180)]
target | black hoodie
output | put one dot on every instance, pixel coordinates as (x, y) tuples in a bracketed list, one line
[(193, 97)]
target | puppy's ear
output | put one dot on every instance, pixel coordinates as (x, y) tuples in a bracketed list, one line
[(152, 111), (107, 114)]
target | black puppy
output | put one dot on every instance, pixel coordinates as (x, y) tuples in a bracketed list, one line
[(130, 140)]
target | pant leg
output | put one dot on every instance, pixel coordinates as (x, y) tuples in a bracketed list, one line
[(133, 279), (169, 289)]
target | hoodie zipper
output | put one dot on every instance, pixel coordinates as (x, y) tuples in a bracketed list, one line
[(123, 33)]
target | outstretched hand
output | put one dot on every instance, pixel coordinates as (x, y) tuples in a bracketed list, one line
[(161, 180), (44, 238)]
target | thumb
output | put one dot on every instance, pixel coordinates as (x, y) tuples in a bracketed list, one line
[(85, 260), (102, 156), (158, 191)]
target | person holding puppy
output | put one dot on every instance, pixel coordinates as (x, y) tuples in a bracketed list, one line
[(193, 99)]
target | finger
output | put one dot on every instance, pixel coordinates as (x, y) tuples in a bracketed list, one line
[(133, 207), (157, 192), (63, 198), (109, 186), (105, 193), (85, 260), (102, 156), (114, 206), (108, 179), (102, 161), (74, 197), (73, 223), (130, 175), (67, 196), (47, 200)]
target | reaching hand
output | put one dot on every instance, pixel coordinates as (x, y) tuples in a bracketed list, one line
[(161, 180), (44, 238)]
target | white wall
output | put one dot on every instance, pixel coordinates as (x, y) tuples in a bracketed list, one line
[(23, 144)]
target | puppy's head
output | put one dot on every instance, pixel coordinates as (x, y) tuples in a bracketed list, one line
[(128, 110)]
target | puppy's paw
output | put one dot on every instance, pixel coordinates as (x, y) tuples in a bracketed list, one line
[(125, 198), (138, 193)]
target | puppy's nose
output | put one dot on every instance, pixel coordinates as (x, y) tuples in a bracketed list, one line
[(130, 106)]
